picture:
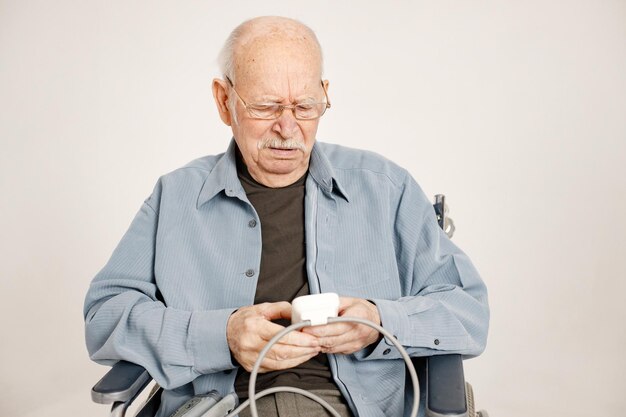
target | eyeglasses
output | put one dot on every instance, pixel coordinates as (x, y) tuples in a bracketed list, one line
[(271, 111)]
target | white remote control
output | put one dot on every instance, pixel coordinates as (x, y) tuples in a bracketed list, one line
[(315, 307)]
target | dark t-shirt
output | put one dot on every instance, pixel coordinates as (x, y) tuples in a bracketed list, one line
[(283, 274)]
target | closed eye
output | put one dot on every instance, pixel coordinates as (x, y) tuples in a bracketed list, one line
[(264, 106)]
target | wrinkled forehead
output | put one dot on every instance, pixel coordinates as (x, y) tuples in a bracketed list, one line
[(274, 63)]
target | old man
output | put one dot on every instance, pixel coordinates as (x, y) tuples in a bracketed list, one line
[(205, 274)]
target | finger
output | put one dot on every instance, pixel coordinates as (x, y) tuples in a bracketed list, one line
[(268, 330), (348, 342), (345, 348), (358, 337), (332, 341), (275, 311), (272, 364), (287, 352), (327, 330), (362, 309), (290, 356), (345, 302)]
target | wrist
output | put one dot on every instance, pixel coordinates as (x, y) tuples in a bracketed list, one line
[(375, 314)]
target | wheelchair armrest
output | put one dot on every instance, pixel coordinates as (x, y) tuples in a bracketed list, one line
[(122, 383), (445, 386)]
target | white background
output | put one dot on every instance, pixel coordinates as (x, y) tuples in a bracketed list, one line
[(516, 110)]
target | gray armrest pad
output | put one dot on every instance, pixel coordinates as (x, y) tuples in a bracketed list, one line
[(122, 383), (445, 386)]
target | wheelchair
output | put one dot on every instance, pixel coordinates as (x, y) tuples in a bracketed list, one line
[(441, 376)]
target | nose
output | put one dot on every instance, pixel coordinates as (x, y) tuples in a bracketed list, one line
[(286, 125)]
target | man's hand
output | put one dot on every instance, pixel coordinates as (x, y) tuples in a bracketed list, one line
[(250, 328), (348, 337)]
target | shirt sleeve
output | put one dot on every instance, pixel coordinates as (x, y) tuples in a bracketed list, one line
[(445, 308), (125, 318)]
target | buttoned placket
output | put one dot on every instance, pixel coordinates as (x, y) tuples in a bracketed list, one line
[(250, 268)]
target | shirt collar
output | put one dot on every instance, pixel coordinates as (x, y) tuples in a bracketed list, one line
[(223, 177), (322, 172)]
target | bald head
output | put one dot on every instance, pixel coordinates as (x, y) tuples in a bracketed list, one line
[(258, 40)]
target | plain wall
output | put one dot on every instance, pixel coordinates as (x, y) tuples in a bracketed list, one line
[(514, 109)]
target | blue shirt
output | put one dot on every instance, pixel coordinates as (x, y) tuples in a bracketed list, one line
[(192, 254)]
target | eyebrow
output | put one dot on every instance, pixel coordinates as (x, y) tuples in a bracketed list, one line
[(276, 100)]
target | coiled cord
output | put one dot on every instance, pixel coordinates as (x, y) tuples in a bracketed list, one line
[(252, 396)]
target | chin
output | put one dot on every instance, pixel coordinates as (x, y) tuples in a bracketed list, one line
[(285, 167), (281, 169)]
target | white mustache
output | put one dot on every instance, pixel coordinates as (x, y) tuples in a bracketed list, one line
[(278, 143)]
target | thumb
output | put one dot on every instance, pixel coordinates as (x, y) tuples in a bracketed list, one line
[(274, 311), (345, 302)]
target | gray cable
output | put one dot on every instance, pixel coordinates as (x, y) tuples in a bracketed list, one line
[(251, 402), (295, 390), (394, 341)]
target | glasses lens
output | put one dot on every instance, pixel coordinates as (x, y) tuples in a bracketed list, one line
[(305, 111), (310, 110)]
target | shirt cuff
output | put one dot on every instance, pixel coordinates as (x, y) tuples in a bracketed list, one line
[(208, 343), (394, 319)]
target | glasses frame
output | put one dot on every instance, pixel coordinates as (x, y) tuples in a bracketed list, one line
[(281, 107)]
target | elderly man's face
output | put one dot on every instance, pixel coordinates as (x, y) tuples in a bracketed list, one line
[(275, 71)]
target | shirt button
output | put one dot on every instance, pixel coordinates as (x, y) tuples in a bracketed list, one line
[(250, 273), (387, 351), (252, 223), (436, 341)]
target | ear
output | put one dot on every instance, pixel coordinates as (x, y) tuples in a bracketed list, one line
[(220, 94), (325, 85)]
